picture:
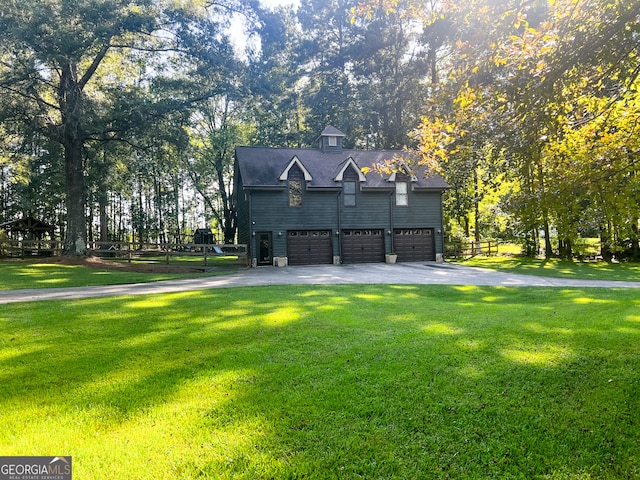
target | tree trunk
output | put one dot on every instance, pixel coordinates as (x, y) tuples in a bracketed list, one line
[(476, 211), (548, 251), (70, 100), (75, 243), (104, 218), (141, 229), (565, 249), (229, 214), (606, 242), (635, 248)]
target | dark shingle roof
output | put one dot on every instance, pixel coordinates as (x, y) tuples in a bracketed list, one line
[(262, 167), (331, 130)]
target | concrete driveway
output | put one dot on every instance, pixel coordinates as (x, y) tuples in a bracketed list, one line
[(373, 273)]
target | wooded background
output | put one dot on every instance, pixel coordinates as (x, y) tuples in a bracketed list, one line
[(118, 119)]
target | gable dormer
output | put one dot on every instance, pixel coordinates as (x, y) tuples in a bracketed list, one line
[(350, 168), (295, 161), (330, 140), (402, 174)]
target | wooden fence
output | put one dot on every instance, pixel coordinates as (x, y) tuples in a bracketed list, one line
[(471, 249), (132, 251)]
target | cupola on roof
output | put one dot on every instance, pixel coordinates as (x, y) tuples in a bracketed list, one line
[(330, 140)]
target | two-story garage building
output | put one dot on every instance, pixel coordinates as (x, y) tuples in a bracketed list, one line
[(331, 205)]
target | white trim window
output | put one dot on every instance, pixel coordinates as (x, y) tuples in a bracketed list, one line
[(402, 195)]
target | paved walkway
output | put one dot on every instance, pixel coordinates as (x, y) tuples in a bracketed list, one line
[(374, 273)]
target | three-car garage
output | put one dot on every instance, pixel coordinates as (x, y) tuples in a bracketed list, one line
[(311, 247)]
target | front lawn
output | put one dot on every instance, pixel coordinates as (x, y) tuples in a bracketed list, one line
[(16, 274), (557, 268), (342, 382)]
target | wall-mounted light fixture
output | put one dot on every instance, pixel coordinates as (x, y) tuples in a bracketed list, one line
[(279, 234)]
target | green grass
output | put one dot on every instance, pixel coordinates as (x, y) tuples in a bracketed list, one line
[(343, 382), (557, 268), (17, 274)]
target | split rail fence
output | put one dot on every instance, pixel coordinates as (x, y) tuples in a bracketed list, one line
[(167, 253), (471, 249)]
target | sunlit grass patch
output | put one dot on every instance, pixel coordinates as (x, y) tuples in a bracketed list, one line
[(441, 329), (626, 271), (265, 382), (19, 275), (283, 315), (585, 300), (539, 355)]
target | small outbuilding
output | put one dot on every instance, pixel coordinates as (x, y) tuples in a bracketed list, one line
[(29, 228), (204, 236)]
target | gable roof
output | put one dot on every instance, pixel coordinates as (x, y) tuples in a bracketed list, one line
[(262, 167)]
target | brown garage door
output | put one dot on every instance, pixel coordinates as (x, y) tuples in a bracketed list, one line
[(309, 247), (414, 244), (362, 246)]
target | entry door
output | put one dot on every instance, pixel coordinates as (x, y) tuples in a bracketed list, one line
[(265, 256)]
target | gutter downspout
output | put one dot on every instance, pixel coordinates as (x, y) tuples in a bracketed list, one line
[(251, 235), (339, 235), (391, 220), (441, 227)]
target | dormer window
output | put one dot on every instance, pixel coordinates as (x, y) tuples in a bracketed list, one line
[(350, 179), (333, 141), (349, 193)]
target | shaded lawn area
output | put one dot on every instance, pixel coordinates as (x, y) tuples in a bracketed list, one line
[(18, 275), (328, 382), (628, 271)]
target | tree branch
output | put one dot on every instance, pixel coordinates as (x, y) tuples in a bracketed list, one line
[(94, 66)]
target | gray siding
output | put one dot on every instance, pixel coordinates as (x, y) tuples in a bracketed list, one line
[(271, 212), (371, 211), (424, 210)]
